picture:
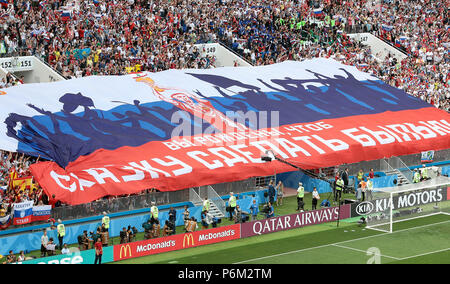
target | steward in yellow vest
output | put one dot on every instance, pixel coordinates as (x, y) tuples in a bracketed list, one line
[(424, 173), (231, 204), (154, 214), (206, 205), (416, 177), (105, 221), (61, 233), (300, 195), (339, 188)]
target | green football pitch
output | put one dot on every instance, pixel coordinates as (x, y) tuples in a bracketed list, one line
[(421, 240)]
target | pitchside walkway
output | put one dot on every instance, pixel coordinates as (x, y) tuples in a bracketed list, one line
[(288, 191), (325, 243)]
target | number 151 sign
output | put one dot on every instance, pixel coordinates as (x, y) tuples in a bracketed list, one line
[(15, 64)]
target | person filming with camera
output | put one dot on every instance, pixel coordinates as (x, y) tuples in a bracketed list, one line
[(270, 211)]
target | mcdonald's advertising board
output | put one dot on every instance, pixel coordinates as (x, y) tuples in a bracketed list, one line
[(176, 242)]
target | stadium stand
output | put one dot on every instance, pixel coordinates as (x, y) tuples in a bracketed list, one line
[(83, 38), (87, 38)]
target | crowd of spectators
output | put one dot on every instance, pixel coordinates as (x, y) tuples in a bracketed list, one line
[(96, 37), (16, 166), (9, 81), (421, 30), (13, 165), (90, 37)]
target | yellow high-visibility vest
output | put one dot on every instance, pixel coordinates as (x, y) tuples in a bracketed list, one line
[(416, 178), (339, 184), (301, 192), (232, 201), (425, 173), (360, 176), (61, 230), (105, 220), (206, 205), (154, 211)]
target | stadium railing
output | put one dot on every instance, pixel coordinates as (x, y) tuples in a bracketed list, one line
[(140, 201)]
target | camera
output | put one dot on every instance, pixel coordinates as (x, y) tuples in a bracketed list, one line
[(265, 209)]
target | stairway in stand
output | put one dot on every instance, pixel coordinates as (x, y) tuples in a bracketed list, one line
[(213, 210), (401, 178)]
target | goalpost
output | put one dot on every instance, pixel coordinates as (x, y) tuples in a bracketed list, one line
[(412, 201)]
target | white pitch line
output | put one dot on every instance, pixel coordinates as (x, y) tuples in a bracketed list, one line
[(387, 233), (422, 254), (377, 235), (363, 251)]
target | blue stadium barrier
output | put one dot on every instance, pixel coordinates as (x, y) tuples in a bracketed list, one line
[(27, 239), (446, 171), (291, 179), (437, 164), (93, 218), (30, 241)]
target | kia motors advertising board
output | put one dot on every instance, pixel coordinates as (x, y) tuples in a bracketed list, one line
[(293, 221), (176, 242), (405, 200)]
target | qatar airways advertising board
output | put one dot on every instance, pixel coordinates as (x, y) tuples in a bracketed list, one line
[(293, 221)]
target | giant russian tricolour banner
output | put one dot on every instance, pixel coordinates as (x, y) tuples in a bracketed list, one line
[(183, 128)]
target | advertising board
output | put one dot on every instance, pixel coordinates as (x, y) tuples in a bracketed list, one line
[(176, 242), (81, 257), (293, 221)]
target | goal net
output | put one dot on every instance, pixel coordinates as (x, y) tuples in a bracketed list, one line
[(397, 204)]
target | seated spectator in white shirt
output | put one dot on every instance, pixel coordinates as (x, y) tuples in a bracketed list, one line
[(65, 250)]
